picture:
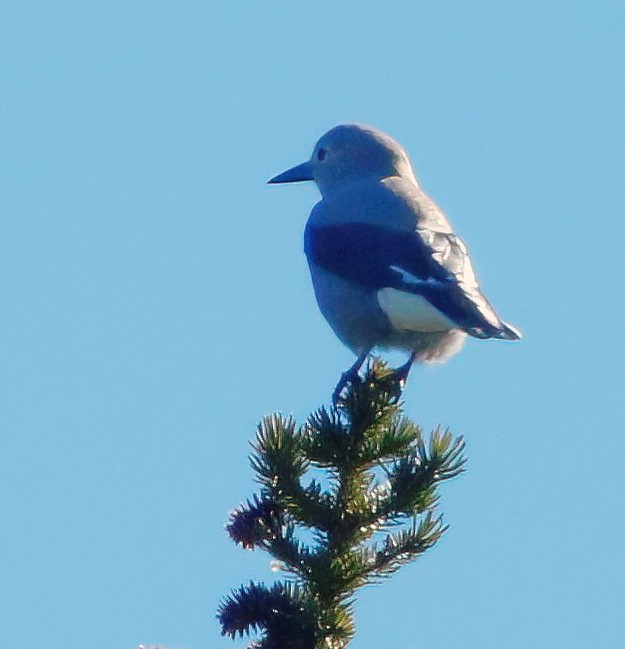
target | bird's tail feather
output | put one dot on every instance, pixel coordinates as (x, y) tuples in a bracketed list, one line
[(509, 332)]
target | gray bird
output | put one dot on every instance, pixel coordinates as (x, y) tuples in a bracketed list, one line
[(386, 267)]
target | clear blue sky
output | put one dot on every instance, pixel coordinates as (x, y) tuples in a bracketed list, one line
[(156, 304)]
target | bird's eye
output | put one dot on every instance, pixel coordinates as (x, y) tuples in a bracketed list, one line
[(321, 154)]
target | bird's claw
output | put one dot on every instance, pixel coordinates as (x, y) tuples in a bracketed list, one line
[(351, 376), (401, 373)]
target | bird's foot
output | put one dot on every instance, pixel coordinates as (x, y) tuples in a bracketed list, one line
[(400, 375), (351, 376)]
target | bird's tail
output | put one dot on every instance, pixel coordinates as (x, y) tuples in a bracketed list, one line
[(509, 332)]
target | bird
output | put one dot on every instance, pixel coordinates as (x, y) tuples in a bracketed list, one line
[(387, 269)]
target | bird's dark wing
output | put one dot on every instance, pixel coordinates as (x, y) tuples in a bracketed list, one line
[(431, 264), (365, 254)]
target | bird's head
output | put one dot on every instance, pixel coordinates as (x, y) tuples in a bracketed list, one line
[(347, 153)]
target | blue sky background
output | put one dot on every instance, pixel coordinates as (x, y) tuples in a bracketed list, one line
[(156, 304)]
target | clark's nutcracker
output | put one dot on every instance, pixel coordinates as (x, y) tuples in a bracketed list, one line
[(387, 269)]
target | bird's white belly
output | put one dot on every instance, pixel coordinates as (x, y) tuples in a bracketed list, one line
[(410, 312)]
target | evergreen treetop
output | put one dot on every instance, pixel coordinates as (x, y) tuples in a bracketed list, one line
[(359, 482)]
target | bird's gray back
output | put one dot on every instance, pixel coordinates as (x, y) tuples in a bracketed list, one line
[(398, 204), (395, 203)]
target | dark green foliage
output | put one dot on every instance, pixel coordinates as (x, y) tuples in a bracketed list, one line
[(281, 611), (374, 513)]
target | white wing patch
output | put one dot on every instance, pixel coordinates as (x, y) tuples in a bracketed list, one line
[(409, 312), (409, 278)]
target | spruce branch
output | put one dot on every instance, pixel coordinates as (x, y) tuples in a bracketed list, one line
[(256, 522), (374, 512), (280, 461), (407, 544), (283, 613)]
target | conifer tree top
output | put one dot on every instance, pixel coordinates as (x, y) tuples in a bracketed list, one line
[(345, 500)]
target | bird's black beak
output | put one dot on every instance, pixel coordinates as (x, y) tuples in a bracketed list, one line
[(294, 175)]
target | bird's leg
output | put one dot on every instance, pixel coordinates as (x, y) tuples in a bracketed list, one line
[(350, 376), (401, 373)]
